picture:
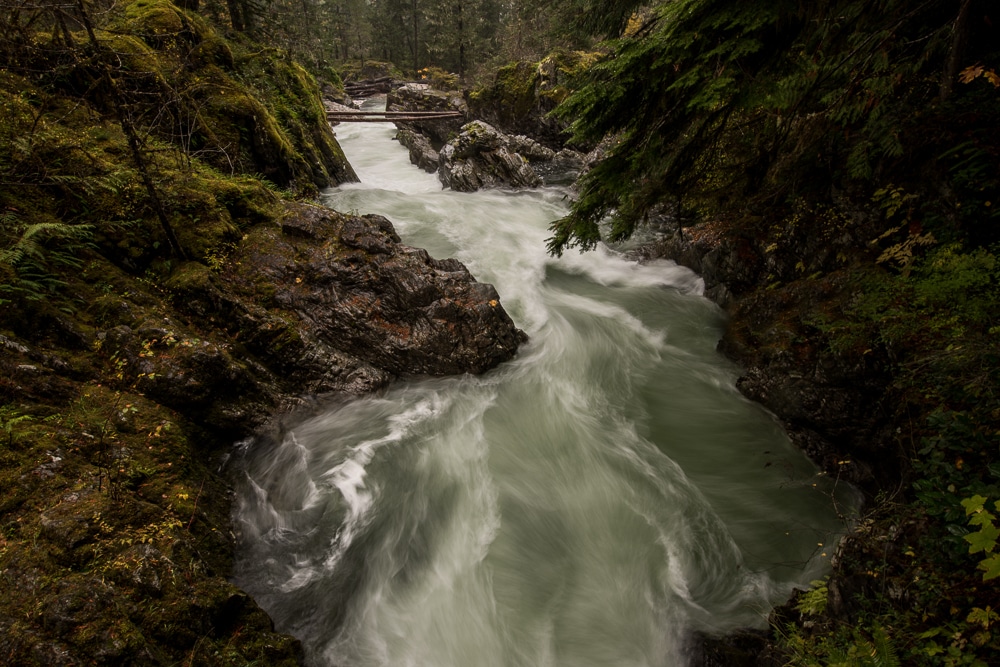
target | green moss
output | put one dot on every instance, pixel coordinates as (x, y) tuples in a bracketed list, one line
[(111, 524), (153, 16), (213, 50), (133, 494), (248, 200), (520, 88), (294, 96), (353, 70), (514, 88), (203, 225), (189, 277), (162, 24)]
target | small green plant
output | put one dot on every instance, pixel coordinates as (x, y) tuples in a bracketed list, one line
[(813, 601), (35, 252), (877, 651), (841, 648), (987, 533), (10, 418)]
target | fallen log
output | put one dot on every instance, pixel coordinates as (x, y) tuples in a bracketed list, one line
[(389, 116)]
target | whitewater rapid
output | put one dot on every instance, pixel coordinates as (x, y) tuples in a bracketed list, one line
[(595, 501)]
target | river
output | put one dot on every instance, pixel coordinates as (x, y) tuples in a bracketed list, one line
[(592, 502)]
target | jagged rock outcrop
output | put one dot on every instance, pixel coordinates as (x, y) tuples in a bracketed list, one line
[(522, 95), (358, 289), (422, 153), (482, 157), (321, 303)]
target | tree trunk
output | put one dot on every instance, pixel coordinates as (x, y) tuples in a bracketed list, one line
[(959, 37), (461, 44), (416, 47), (236, 15)]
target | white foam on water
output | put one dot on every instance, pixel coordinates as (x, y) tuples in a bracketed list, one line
[(590, 503)]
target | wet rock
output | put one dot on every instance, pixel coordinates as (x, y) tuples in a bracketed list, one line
[(358, 290), (320, 303), (421, 97), (197, 376), (481, 157), (422, 153)]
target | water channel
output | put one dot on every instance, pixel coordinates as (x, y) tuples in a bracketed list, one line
[(592, 502)]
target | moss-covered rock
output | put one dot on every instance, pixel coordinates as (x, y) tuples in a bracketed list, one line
[(235, 105), (114, 521), (356, 70), (114, 531), (522, 94)]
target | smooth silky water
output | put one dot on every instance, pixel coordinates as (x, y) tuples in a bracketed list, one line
[(592, 502)]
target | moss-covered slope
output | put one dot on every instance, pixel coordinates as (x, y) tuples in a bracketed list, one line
[(118, 397), (522, 94)]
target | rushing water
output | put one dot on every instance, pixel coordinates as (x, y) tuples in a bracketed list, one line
[(591, 502)]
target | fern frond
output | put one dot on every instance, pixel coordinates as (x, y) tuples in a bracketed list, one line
[(883, 651)]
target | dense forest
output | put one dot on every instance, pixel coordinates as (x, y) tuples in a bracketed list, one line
[(834, 166)]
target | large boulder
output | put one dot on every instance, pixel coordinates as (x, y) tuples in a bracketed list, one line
[(422, 97), (356, 288), (320, 303), (482, 157)]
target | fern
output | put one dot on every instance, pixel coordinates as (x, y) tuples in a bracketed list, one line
[(813, 602), (883, 653), (10, 419), (29, 264)]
